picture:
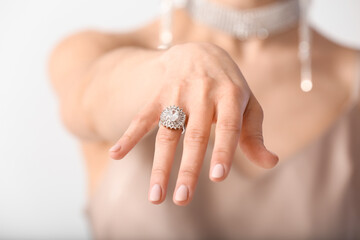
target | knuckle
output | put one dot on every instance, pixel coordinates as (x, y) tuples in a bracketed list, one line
[(159, 172), (195, 137), (126, 137), (229, 126), (231, 91), (205, 83), (202, 77), (189, 173), (202, 90), (139, 119), (221, 151), (235, 91), (165, 137), (142, 121), (253, 138)]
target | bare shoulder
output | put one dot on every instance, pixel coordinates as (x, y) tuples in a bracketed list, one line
[(339, 59)]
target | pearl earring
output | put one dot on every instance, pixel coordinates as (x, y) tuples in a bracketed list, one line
[(165, 34), (306, 83)]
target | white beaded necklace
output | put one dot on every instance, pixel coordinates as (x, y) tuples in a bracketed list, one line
[(245, 24)]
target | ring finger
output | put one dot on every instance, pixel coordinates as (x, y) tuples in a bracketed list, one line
[(165, 147)]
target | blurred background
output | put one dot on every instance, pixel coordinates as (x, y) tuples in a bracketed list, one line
[(42, 178)]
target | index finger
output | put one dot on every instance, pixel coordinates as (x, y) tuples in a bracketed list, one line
[(144, 121)]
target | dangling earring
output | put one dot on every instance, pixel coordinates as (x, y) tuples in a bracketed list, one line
[(165, 34), (305, 47)]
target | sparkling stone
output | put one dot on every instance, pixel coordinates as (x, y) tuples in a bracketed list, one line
[(172, 115)]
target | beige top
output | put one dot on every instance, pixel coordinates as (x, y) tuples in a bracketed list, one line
[(313, 195)]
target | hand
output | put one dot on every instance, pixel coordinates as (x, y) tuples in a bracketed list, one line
[(202, 79)]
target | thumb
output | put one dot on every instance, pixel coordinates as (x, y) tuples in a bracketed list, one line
[(251, 138)]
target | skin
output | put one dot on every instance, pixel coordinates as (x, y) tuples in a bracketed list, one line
[(99, 78)]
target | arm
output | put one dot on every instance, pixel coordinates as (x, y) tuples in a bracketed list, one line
[(108, 91), (101, 83)]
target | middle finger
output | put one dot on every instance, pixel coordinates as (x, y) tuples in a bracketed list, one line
[(194, 148)]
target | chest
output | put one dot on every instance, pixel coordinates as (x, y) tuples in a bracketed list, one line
[(293, 119)]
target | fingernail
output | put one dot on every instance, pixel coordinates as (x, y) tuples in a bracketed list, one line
[(182, 193), (155, 193), (218, 171), (115, 148)]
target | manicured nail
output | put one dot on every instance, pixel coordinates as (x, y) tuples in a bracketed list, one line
[(115, 148), (182, 193), (155, 193), (218, 171)]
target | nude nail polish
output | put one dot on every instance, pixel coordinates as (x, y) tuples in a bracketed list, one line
[(115, 148), (218, 171), (182, 193), (155, 193)]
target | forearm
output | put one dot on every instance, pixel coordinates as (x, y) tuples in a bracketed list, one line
[(98, 100), (118, 85)]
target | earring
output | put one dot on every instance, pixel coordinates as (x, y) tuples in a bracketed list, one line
[(306, 83), (165, 34)]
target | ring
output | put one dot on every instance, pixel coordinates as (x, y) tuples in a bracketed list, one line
[(173, 117)]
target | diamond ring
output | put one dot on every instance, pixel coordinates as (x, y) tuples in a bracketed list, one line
[(173, 117)]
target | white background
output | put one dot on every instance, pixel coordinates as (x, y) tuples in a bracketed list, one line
[(42, 179)]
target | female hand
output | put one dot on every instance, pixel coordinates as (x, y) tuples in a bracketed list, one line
[(206, 83)]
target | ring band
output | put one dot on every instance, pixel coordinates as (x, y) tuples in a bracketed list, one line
[(173, 117)]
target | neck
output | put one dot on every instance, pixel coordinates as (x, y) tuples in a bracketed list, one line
[(244, 4), (246, 24), (232, 35)]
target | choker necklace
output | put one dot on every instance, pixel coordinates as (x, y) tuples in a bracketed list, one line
[(244, 24), (257, 23)]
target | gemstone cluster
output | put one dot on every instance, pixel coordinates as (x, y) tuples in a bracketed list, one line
[(173, 117)]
